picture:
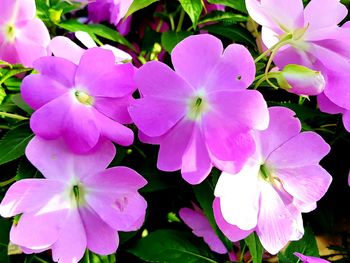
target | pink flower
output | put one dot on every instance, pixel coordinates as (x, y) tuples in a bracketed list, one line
[(326, 105), (308, 259), (201, 113), (81, 103), (201, 227), (79, 205), (313, 38), (23, 37), (282, 180), (65, 48)]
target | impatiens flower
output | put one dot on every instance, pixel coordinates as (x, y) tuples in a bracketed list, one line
[(301, 80), (65, 48), (326, 105), (81, 103), (79, 205), (200, 114), (201, 227), (282, 180), (311, 37), (308, 259), (23, 38)]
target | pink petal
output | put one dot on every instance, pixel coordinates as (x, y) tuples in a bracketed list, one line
[(38, 230), (298, 182), (17, 10), (154, 76), (194, 58), (71, 244), (29, 195), (58, 69), (104, 78), (232, 232), (113, 130), (275, 222), (309, 259), (227, 74), (324, 13), (65, 48), (283, 126), (202, 228), (37, 90), (101, 238), (346, 120), (156, 116), (304, 149), (80, 130), (196, 164), (239, 197), (59, 163), (326, 105), (173, 146)]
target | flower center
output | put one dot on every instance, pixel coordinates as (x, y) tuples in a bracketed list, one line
[(10, 33), (196, 107), (78, 194), (84, 98)]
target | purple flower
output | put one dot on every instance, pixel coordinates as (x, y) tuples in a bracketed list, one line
[(308, 259), (201, 114), (201, 227), (23, 37), (282, 180), (312, 39), (79, 205), (81, 103)]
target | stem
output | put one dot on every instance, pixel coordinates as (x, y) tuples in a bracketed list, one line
[(172, 24), (7, 182), (13, 116), (181, 20)]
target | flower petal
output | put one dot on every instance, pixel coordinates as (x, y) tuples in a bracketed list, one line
[(65, 48), (194, 58)]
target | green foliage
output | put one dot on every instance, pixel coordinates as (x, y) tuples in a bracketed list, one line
[(170, 39), (193, 8), (235, 4), (138, 5), (14, 142), (255, 247), (307, 246), (220, 16), (171, 246)]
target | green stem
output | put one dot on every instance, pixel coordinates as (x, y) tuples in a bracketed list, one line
[(181, 20), (172, 24), (7, 182), (13, 116)]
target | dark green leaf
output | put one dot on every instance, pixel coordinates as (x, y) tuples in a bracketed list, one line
[(170, 39), (220, 16), (235, 33), (307, 246), (137, 5), (14, 142), (235, 4), (193, 8), (26, 170), (255, 247), (19, 102), (91, 257), (171, 246), (13, 72), (5, 226), (95, 30)]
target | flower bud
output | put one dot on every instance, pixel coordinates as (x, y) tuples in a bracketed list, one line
[(301, 80)]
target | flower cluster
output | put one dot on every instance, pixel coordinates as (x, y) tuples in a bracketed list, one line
[(201, 112)]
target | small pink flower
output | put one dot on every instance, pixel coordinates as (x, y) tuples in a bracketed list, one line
[(202, 113), (81, 103), (279, 182), (308, 259), (79, 205), (23, 37)]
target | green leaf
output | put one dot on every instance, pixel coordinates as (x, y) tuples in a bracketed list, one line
[(95, 30), (26, 170), (138, 5), (2, 94), (220, 16), (255, 247), (5, 226), (91, 257), (14, 142), (171, 246), (307, 246), (170, 39), (19, 102), (193, 8), (13, 72), (235, 4), (235, 33)]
